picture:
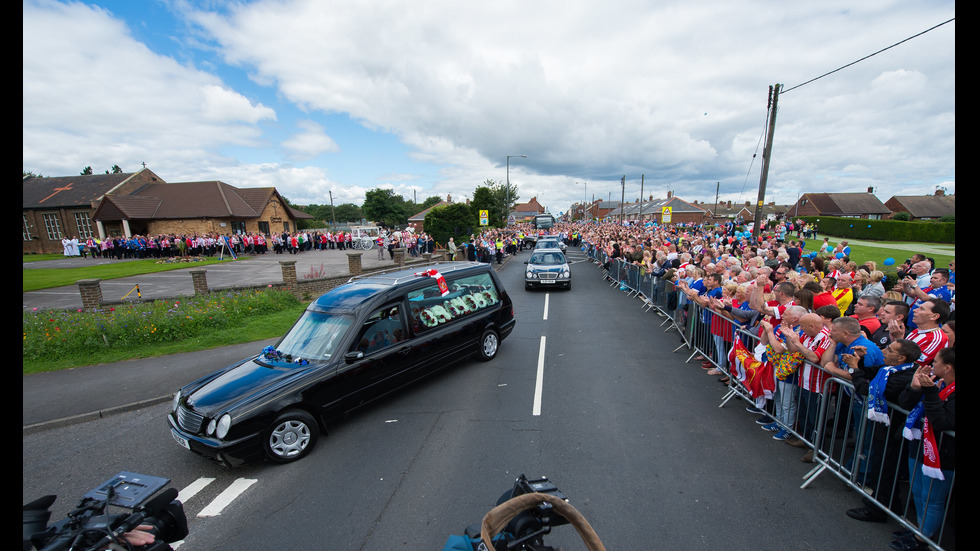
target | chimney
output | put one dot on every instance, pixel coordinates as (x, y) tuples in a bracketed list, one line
[(940, 192), (729, 204), (748, 203), (669, 194), (871, 190), (449, 198)]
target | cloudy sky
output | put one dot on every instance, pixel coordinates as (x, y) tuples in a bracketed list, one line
[(429, 98)]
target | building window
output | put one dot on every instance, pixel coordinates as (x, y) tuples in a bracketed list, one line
[(237, 227), (264, 228), (53, 227), (27, 230), (84, 224)]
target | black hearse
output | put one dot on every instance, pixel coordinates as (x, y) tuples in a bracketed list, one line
[(360, 341)]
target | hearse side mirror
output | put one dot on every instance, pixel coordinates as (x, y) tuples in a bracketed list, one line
[(352, 357)]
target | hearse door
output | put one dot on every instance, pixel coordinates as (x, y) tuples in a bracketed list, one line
[(379, 354)]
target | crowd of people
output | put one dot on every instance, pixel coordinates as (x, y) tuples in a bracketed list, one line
[(818, 314), (165, 246)]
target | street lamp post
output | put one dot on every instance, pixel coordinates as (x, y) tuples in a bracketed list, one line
[(585, 196), (507, 191)]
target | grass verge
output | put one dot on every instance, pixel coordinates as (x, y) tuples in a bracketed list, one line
[(55, 340), (46, 278)]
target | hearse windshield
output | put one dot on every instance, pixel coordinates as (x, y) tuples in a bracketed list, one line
[(315, 337)]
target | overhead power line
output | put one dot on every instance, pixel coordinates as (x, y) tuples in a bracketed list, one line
[(870, 55)]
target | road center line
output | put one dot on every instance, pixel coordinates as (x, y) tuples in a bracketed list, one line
[(547, 296), (539, 380)]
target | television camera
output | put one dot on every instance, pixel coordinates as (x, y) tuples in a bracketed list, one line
[(90, 527), (523, 516)]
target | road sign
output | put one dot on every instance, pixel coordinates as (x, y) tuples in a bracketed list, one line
[(665, 215), (484, 218)]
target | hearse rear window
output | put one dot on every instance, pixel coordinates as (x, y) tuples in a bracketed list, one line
[(466, 296)]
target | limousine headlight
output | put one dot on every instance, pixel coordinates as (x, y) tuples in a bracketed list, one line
[(176, 401), (530, 274), (224, 424)]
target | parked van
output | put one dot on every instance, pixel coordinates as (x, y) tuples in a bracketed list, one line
[(362, 340)]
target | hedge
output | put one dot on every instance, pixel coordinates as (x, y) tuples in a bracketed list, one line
[(883, 230)]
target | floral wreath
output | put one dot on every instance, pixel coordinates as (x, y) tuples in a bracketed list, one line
[(428, 319), (270, 353)]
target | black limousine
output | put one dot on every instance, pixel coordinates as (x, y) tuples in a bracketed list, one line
[(360, 341)]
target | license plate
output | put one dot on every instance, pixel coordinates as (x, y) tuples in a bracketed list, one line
[(547, 281), (180, 439)]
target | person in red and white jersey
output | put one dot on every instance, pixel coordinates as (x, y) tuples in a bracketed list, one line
[(772, 311), (928, 334), (812, 341)]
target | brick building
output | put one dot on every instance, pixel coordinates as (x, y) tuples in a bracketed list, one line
[(62, 207), (924, 207), (141, 203), (847, 205)]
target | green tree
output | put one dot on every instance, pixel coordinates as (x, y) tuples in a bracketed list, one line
[(496, 198), (483, 199), (86, 171), (115, 170), (430, 202), (903, 216), (348, 212), (456, 220), (385, 207)]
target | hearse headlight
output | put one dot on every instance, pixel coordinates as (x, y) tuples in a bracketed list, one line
[(224, 425), (176, 402)]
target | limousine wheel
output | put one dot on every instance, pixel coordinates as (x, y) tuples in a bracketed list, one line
[(291, 436), (489, 343)]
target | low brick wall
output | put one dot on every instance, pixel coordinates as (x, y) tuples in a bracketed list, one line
[(304, 290)]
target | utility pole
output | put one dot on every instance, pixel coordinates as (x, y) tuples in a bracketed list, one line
[(717, 189), (641, 200), (766, 156), (622, 199), (333, 213)]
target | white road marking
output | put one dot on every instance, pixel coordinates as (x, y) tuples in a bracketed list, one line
[(226, 497), (546, 297), (192, 489), (539, 381)]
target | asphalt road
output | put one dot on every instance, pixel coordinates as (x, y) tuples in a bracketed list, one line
[(632, 434)]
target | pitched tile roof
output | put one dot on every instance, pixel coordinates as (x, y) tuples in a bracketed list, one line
[(70, 191), (420, 217), (843, 204), (927, 206), (213, 199)]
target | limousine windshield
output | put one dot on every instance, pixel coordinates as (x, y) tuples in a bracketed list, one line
[(315, 336)]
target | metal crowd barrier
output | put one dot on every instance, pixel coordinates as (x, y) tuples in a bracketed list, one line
[(830, 422)]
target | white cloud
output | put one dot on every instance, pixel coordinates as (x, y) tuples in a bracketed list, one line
[(310, 142), (223, 105), (675, 91), (94, 96)]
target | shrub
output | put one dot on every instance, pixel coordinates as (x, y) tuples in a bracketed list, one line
[(51, 334)]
